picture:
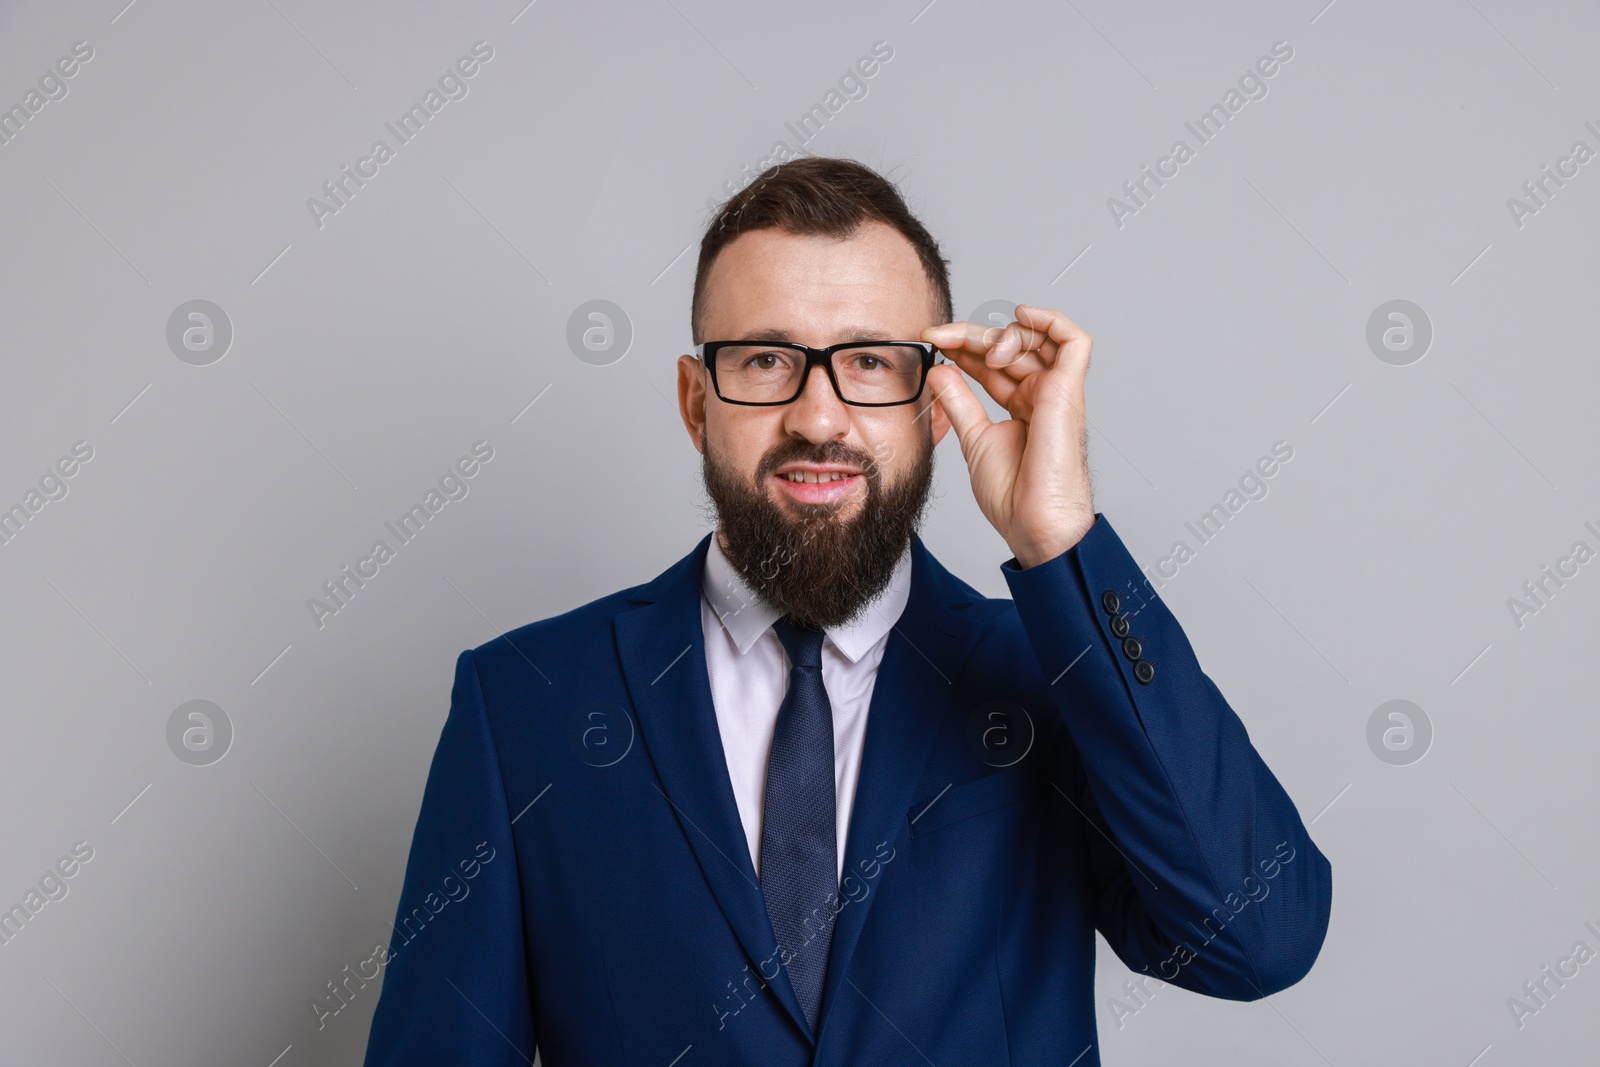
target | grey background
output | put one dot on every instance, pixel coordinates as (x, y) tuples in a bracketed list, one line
[(367, 355)]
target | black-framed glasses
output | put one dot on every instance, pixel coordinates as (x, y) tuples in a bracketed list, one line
[(869, 374)]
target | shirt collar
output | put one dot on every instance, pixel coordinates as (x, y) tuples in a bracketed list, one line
[(745, 616)]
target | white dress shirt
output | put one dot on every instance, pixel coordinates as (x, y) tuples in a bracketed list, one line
[(749, 671)]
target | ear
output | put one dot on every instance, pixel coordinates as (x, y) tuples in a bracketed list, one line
[(941, 421), (692, 399)]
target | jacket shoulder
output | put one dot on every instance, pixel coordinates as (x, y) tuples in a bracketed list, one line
[(579, 640), (597, 613), (958, 595)]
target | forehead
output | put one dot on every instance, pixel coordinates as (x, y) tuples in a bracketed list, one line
[(812, 287)]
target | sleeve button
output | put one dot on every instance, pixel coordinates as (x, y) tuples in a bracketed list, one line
[(1144, 670), (1109, 601), (1119, 625), (1132, 648)]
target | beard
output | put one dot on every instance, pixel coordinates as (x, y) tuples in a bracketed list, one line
[(813, 566)]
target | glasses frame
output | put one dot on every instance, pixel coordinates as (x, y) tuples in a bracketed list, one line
[(706, 351)]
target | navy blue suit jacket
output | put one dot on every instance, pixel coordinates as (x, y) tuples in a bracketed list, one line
[(579, 878)]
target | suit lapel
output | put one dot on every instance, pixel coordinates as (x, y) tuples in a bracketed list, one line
[(662, 649), (911, 698)]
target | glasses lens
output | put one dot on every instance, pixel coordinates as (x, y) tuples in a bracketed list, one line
[(878, 374), (759, 374), (870, 374)]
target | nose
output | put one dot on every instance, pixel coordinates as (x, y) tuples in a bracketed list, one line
[(817, 414)]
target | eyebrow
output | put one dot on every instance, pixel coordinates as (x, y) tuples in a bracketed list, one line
[(848, 335)]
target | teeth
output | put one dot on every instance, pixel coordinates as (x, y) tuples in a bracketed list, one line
[(813, 476)]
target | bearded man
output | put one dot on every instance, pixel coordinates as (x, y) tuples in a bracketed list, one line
[(806, 797)]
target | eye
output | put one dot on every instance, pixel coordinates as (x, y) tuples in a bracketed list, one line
[(867, 362)]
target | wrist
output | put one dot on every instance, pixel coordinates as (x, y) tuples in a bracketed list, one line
[(1034, 551), (1033, 555)]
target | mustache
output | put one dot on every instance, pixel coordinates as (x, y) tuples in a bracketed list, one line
[(799, 451)]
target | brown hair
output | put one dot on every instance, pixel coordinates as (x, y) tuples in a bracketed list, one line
[(817, 196)]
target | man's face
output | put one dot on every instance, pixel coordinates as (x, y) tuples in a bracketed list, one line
[(816, 549)]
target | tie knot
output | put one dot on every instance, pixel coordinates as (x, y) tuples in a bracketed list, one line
[(803, 644)]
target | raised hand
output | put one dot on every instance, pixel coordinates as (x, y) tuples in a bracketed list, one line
[(1030, 473)]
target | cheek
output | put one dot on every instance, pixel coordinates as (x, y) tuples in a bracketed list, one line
[(895, 445), (739, 439)]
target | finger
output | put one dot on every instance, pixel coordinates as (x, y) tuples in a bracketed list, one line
[(1015, 341), (1005, 378), (979, 338), (1062, 432), (965, 411), (1021, 351), (946, 334), (995, 380), (1072, 341)]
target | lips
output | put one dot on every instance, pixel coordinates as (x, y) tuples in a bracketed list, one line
[(817, 483)]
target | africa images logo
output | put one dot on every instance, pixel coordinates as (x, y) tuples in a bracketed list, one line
[(453, 485), (1253, 85), (342, 188)]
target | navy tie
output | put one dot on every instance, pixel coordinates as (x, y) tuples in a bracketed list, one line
[(799, 851)]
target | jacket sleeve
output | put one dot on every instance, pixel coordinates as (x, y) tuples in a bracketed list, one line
[(455, 983), (1204, 875)]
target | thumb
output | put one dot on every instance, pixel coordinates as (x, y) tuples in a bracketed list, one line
[(956, 398)]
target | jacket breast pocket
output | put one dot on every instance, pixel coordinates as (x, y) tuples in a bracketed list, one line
[(993, 792)]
